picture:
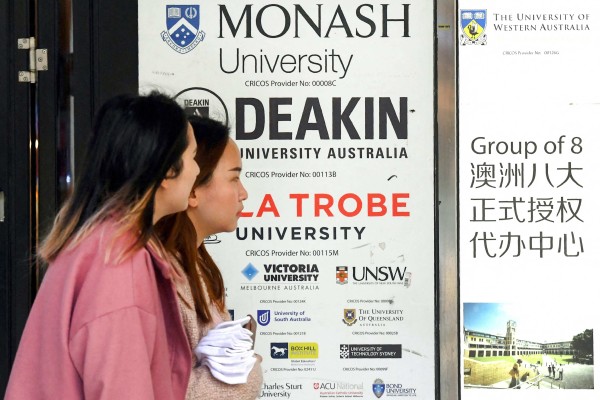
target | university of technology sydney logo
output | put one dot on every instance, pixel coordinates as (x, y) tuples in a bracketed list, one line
[(472, 24), (183, 28)]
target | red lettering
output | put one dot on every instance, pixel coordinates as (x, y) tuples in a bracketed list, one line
[(299, 197), (343, 209), (267, 205), (347, 205), (397, 204), (326, 207), (376, 201)]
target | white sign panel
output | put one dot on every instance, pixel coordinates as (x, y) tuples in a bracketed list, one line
[(529, 114), (332, 107)]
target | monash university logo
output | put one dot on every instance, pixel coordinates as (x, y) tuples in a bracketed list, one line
[(183, 28), (472, 23)]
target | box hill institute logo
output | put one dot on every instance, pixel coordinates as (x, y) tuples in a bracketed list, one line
[(183, 28), (472, 24)]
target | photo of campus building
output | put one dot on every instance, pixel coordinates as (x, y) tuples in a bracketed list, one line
[(488, 358), (481, 344)]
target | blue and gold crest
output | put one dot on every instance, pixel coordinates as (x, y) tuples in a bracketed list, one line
[(472, 24), (183, 28), (349, 316)]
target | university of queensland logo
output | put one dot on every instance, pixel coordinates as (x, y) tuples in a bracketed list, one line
[(349, 316), (472, 24), (183, 28)]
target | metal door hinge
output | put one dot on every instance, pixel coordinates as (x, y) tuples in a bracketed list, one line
[(38, 60)]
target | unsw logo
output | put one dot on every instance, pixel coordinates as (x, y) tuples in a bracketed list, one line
[(383, 274), (183, 28)]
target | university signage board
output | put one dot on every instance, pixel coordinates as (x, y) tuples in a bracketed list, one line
[(332, 107), (529, 112)]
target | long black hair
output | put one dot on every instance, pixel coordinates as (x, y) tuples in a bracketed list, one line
[(177, 231), (137, 141)]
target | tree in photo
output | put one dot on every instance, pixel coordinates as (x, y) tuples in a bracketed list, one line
[(583, 346)]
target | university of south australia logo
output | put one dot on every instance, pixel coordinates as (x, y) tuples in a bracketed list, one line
[(263, 317), (472, 24), (183, 28)]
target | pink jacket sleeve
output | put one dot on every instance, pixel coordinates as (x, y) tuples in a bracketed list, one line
[(113, 355)]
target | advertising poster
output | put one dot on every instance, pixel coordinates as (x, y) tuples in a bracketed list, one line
[(332, 107), (529, 113)]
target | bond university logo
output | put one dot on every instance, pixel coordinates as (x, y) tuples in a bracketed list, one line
[(472, 24), (183, 28), (341, 275), (378, 388)]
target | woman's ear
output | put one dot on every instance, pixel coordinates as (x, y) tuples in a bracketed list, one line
[(193, 199), (164, 184)]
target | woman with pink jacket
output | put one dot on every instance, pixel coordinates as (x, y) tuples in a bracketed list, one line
[(105, 322)]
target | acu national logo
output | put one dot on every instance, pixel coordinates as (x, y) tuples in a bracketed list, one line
[(183, 28), (472, 23)]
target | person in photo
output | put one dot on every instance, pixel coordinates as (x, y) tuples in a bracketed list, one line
[(105, 323), (214, 206)]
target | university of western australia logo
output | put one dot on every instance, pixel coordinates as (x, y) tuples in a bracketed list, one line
[(183, 28), (472, 24)]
